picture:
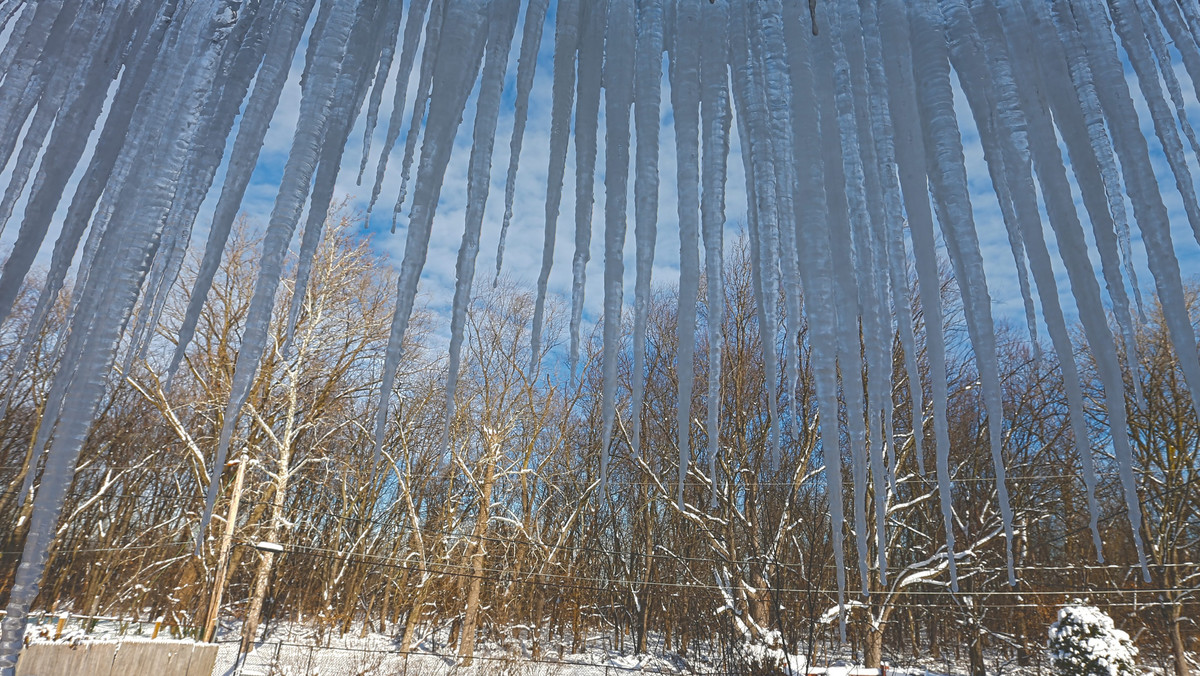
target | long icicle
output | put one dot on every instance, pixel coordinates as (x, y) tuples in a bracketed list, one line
[(1148, 207), (587, 116), (453, 77), (1003, 127), (531, 40), (429, 57), (897, 255), (268, 87), (870, 246), (387, 36), (841, 157), (685, 100), (816, 270), (566, 47), (618, 99), (1068, 230), (116, 294), (715, 118), (503, 21), (408, 53), (293, 189), (909, 40), (647, 100)]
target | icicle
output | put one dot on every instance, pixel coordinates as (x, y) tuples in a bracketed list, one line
[(566, 44), (408, 53), (870, 246), (1169, 12), (982, 108), (433, 39), (453, 77), (1082, 80), (833, 163), (268, 86), (1128, 24), (618, 99), (816, 271), (777, 94), (1068, 231), (531, 40), (1148, 207), (647, 95), (348, 95), (685, 102), (502, 22), (25, 77), (839, 145), (237, 70), (1191, 11), (391, 28), (1166, 68), (17, 37), (7, 11), (897, 256), (715, 114), (763, 209), (904, 48), (1081, 139), (88, 36), (315, 104), (42, 203), (67, 144), (81, 382), (587, 111), (1003, 127)]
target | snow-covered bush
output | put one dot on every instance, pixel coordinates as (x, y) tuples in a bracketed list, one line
[(1084, 642), (764, 657)]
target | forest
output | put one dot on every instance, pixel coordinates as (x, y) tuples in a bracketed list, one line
[(494, 524)]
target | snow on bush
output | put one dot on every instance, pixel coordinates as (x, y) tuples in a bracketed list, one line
[(766, 657), (1084, 642)]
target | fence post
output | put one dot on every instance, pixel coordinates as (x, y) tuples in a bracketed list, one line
[(308, 668), (275, 662)]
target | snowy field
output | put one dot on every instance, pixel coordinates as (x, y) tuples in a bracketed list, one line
[(291, 649)]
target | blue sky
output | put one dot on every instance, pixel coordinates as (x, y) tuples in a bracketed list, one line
[(523, 254)]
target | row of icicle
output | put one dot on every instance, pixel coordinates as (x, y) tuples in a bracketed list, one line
[(116, 117)]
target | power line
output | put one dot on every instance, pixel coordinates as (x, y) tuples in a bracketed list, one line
[(401, 527), (448, 569)]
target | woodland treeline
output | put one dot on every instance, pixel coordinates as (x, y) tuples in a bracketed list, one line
[(508, 537)]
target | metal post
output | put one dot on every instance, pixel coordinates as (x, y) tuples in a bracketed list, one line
[(214, 603)]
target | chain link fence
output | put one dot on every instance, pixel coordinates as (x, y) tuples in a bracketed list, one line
[(280, 658)]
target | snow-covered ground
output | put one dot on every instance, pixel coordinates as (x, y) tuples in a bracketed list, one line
[(294, 649)]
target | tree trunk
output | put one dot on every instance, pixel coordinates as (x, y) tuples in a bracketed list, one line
[(1022, 642), (222, 569), (643, 628), (414, 618), (977, 665), (1177, 647), (466, 646), (873, 647), (257, 595), (576, 629), (935, 648)]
